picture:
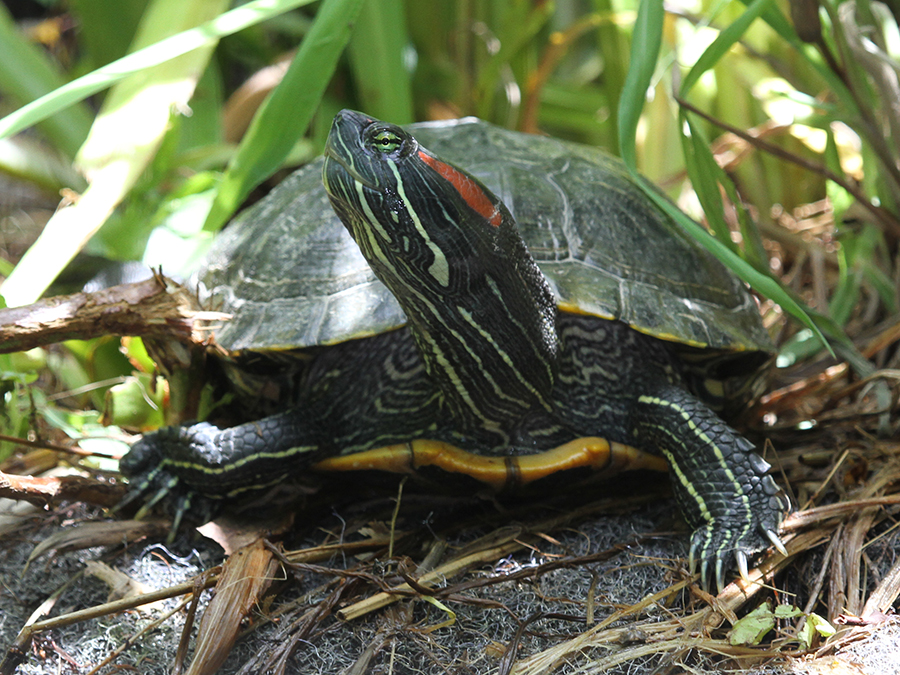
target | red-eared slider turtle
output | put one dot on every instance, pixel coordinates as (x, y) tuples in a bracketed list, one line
[(509, 341)]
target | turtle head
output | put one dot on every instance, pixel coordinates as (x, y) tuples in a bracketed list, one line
[(449, 251), (408, 210)]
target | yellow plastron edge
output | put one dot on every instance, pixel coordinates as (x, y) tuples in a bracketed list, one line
[(500, 473)]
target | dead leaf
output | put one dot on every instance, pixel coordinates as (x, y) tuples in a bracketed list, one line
[(244, 579), (108, 533)]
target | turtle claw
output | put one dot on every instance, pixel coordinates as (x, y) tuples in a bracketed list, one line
[(706, 574), (720, 575), (713, 552), (156, 498), (712, 568), (698, 546), (776, 542), (716, 549), (183, 506), (741, 559)]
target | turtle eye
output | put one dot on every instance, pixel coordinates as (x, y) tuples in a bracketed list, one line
[(385, 141)]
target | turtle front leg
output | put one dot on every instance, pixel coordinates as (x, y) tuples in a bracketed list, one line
[(184, 462), (358, 395), (721, 484)]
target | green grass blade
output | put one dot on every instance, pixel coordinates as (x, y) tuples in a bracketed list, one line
[(286, 114), (522, 23), (25, 158), (645, 43), (77, 90), (725, 40), (706, 173), (376, 52), (611, 43), (705, 176), (27, 74)]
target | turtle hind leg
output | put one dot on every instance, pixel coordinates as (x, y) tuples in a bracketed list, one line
[(721, 484)]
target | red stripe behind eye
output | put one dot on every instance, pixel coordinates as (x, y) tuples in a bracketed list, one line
[(467, 188)]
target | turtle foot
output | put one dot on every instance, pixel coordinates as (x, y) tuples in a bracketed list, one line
[(727, 541), (154, 467)]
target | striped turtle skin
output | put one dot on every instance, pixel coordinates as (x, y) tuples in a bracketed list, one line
[(552, 326)]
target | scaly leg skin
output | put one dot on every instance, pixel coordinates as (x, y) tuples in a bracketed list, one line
[(733, 507)]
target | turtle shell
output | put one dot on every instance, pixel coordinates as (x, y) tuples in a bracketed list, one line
[(291, 276)]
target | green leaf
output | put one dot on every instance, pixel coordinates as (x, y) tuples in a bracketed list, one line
[(178, 243), (136, 403), (821, 625), (286, 114), (136, 352), (209, 403), (27, 74), (70, 422), (752, 628), (123, 140), (814, 627), (787, 612), (14, 376), (30, 361), (204, 35)]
